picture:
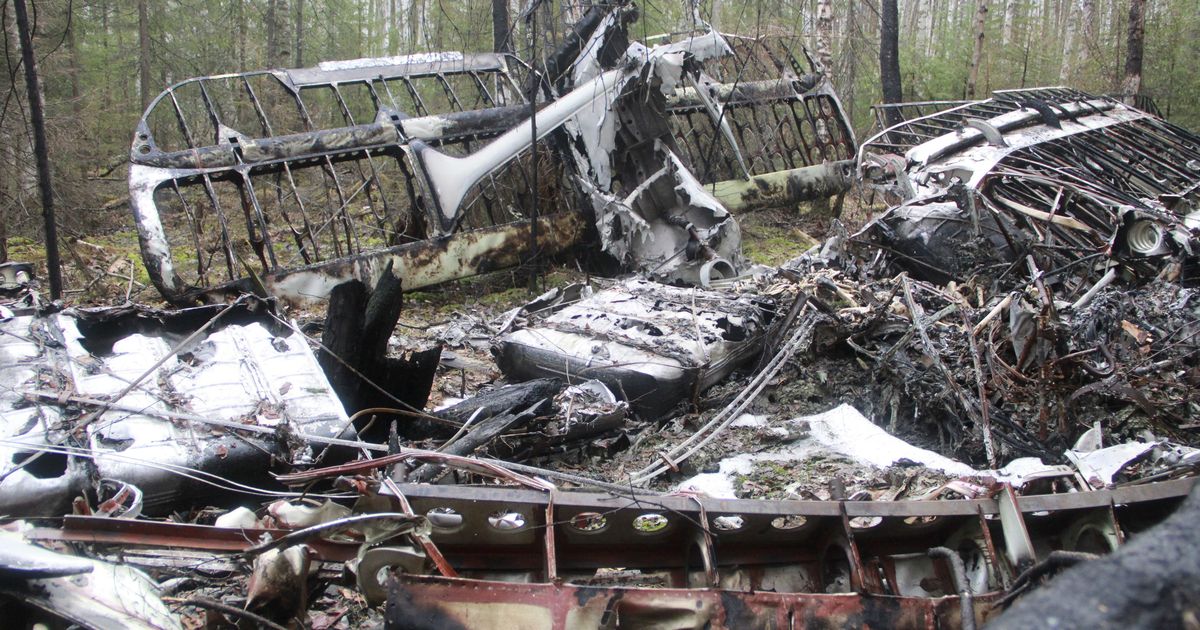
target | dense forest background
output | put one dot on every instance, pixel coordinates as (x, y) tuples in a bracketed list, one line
[(101, 61)]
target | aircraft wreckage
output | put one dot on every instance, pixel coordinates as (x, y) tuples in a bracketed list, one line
[(907, 426)]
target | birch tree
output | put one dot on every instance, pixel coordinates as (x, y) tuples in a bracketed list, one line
[(977, 55)]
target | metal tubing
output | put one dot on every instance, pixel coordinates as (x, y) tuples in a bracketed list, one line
[(959, 573)]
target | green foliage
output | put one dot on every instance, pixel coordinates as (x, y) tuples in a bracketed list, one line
[(89, 58)]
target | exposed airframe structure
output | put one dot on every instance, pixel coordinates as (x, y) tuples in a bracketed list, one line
[(289, 182), (1073, 178)]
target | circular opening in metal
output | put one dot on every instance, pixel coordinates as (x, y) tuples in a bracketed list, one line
[(506, 521), (1092, 540), (716, 269), (444, 519), (729, 523), (865, 522), (790, 522), (589, 522), (650, 523)]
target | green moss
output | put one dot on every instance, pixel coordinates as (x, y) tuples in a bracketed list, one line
[(773, 237), (25, 250), (776, 249), (124, 245), (493, 293)]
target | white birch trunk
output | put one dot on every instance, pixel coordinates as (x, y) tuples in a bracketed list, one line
[(1066, 69)]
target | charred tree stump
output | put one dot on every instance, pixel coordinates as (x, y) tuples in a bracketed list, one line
[(358, 326), (341, 338)]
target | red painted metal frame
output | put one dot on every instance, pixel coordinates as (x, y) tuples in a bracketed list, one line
[(433, 602)]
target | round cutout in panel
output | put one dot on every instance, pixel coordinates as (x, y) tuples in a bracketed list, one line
[(507, 521), (650, 523), (729, 523), (788, 523), (444, 519), (589, 522), (865, 522)]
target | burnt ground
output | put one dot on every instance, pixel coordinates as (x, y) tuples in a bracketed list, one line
[(906, 395), (464, 316)]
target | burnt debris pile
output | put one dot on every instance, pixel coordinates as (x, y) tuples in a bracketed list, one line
[(911, 424)]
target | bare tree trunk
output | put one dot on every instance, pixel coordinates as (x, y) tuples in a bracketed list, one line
[(977, 57), (360, 40), (416, 26), (912, 10), (1087, 15), (156, 11), (6, 175), (37, 120), (1010, 19), (372, 32), (8, 161), (277, 53), (3, 219), (825, 34), (239, 16), (144, 53), (847, 68), (394, 28), (501, 41), (889, 56), (1065, 70), (1049, 33), (928, 19), (1112, 33), (73, 63), (104, 10), (272, 34), (299, 28), (1132, 86), (78, 167)]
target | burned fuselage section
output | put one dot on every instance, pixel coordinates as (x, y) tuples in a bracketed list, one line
[(1087, 186), (256, 173), (290, 182)]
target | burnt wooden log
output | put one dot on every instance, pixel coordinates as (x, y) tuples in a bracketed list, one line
[(491, 414), (505, 399), (481, 434)]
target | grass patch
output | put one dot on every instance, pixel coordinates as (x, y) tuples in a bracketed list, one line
[(772, 238)]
